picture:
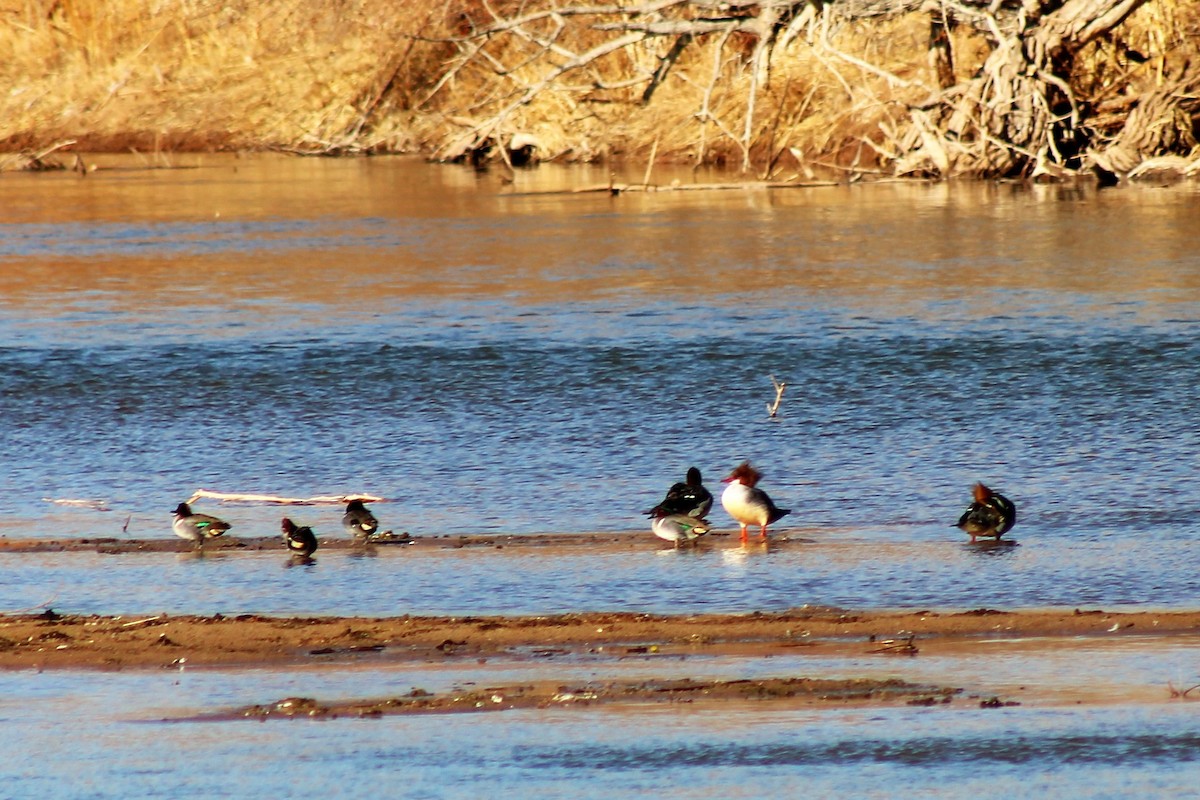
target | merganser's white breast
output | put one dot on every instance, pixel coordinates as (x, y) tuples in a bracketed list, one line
[(747, 505)]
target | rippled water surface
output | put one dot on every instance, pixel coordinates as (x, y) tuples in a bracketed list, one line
[(493, 360), (120, 746), (837, 570)]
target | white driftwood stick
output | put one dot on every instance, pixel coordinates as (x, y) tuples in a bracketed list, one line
[(293, 501), (773, 408), (95, 505)]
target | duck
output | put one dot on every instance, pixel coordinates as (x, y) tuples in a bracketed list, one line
[(689, 498), (678, 528), (746, 503), (197, 527), (990, 516), (358, 521), (300, 540)]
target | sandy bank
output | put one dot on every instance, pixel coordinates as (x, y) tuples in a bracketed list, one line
[(232, 544), (51, 641)]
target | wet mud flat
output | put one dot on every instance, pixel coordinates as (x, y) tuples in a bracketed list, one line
[(229, 544), (630, 659), (671, 651), (788, 692), (49, 640)]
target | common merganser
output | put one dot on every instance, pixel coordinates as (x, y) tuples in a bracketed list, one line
[(300, 540), (358, 521), (196, 527), (690, 499), (990, 516), (678, 528), (747, 504)]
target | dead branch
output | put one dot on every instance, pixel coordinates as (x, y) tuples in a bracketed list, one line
[(485, 130), (764, 28), (773, 408), (650, 163), (623, 188), (94, 505), (1180, 693), (238, 497), (1022, 111), (904, 646), (705, 114), (36, 161), (1020, 114), (503, 25), (664, 65), (1160, 126)]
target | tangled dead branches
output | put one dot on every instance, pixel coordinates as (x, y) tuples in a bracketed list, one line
[(746, 70)]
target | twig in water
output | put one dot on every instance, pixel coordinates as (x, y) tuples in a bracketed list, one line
[(1180, 693), (903, 646), (773, 408)]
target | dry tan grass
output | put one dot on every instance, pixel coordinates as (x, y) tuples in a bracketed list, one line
[(820, 105), (199, 73), (347, 76)]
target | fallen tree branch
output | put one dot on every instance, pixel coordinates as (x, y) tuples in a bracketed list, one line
[(487, 129), (1181, 693), (1027, 108), (238, 497), (773, 408), (94, 505), (664, 65), (622, 188)]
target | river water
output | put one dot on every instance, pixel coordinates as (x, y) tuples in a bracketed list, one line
[(492, 359)]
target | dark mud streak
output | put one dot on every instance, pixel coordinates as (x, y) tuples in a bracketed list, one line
[(658, 691), (226, 544)]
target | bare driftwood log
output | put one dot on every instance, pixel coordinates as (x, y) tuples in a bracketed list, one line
[(241, 497), (1156, 128), (1023, 112), (37, 161), (1020, 115)]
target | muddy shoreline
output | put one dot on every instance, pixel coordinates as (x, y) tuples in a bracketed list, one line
[(52, 641), (112, 545), (671, 648), (676, 691)]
